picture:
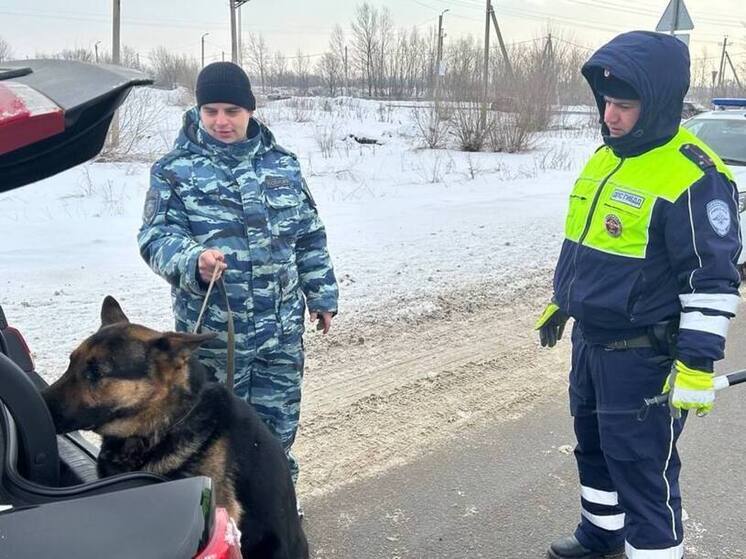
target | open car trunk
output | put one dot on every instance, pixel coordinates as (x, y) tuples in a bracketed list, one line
[(55, 114), (48, 485), (170, 520)]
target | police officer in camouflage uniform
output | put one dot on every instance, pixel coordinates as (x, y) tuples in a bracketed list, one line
[(228, 196)]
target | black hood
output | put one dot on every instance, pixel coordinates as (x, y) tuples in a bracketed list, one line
[(657, 68)]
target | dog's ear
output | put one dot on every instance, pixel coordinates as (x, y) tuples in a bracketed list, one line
[(176, 342), (111, 312)]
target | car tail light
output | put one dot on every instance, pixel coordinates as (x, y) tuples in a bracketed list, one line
[(225, 541), (15, 347), (26, 116)]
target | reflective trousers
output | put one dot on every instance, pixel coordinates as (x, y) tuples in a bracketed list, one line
[(627, 463)]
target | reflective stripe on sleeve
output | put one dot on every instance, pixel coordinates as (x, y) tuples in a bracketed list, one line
[(697, 321), (715, 301)]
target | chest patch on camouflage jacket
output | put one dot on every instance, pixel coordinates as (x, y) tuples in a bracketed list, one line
[(272, 181)]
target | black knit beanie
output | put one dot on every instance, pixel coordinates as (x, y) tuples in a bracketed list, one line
[(224, 82), (609, 85)]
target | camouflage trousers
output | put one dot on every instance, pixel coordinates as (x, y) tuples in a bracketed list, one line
[(272, 385)]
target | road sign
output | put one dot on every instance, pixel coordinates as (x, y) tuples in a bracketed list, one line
[(675, 18)]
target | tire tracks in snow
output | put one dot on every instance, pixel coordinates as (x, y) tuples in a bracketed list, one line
[(413, 385)]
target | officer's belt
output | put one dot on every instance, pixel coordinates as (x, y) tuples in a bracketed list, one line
[(631, 343), (660, 336)]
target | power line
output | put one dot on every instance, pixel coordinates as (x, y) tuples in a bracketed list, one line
[(160, 23), (713, 19), (573, 44)]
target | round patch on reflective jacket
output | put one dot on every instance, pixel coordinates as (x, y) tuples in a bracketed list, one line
[(719, 216), (613, 225)]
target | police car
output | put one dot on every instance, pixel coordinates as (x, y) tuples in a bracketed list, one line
[(724, 130)]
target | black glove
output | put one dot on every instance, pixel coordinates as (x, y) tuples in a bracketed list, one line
[(550, 325)]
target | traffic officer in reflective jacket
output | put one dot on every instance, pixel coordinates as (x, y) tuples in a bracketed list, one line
[(228, 196), (648, 271)]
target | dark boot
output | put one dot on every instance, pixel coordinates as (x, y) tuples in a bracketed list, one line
[(570, 548)]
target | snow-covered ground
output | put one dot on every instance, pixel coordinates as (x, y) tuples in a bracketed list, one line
[(404, 223)]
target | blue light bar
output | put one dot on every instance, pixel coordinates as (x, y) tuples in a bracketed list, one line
[(723, 102)]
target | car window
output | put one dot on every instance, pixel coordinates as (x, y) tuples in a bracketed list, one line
[(727, 137)]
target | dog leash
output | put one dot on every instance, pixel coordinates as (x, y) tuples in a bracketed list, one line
[(230, 353)]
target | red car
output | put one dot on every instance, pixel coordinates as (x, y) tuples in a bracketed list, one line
[(55, 114)]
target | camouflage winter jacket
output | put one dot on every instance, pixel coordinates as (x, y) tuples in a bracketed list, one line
[(250, 201)]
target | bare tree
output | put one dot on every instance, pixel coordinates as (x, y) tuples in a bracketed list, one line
[(432, 129), (365, 42), (6, 53), (171, 70), (385, 35), (464, 60), (329, 71), (128, 57), (302, 71), (279, 68), (139, 118), (424, 53), (337, 49), (258, 54), (79, 54), (702, 76)]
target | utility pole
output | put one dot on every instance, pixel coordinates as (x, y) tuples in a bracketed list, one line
[(722, 62), (486, 74), (95, 47), (502, 43), (203, 47), (235, 5), (439, 57), (234, 43), (239, 37), (115, 32), (733, 69), (486, 71), (115, 60)]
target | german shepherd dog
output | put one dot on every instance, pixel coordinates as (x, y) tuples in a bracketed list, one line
[(149, 399)]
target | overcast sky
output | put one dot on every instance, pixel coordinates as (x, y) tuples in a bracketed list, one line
[(289, 25)]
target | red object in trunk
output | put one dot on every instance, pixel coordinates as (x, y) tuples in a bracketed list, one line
[(225, 541), (26, 117)]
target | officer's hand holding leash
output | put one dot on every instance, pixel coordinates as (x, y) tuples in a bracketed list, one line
[(550, 325), (208, 261)]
